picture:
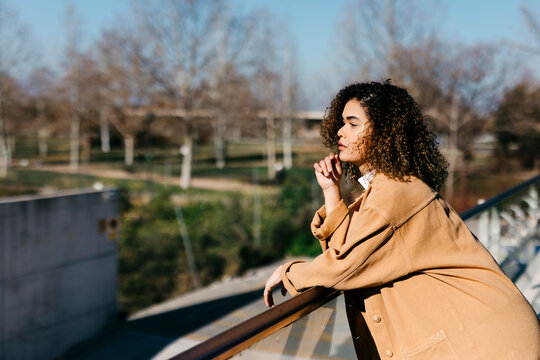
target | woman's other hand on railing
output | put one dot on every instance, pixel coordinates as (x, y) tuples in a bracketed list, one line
[(273, 281)]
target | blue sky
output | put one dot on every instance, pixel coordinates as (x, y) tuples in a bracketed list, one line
[(312, 23)]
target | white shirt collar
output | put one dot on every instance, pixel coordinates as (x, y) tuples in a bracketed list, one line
[(366, 179)]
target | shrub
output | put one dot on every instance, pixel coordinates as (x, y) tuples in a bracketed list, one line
[(152, 259), (149, 245)]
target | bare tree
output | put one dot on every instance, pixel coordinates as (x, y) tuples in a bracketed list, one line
[(16, 112), (373, 33), (234, 36), (16, 51), (533, 26), (125, 85), (182, 39), (457, 86), (516, 124), (72, 59), (276, 82), (41, 86), (289, 98), (78, 94), (104, 112), (267, 82)]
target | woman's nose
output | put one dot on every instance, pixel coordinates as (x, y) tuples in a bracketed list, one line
[(340, 132)]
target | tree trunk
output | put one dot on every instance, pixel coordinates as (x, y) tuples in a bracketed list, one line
[(220, 142), (271, 145), (453, 153), (257, 209), (187, 156), (287, 143), (187, 246), (74, 144), (129, 149), (10, 150), (85, 150), (452, 159), (104, 130), (3, 155), (3, 143), (43, 147), (288, 91)]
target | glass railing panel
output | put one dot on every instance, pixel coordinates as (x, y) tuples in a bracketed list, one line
[(321, 334), (509, 229)]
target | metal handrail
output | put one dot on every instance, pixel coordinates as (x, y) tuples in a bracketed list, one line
[(252, 330), (498, 198), (245, 334), (507, 263)]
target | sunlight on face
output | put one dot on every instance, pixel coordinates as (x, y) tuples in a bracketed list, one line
[(352, 133)]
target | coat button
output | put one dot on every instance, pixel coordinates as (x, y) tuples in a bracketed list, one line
[(389, 353), (377, 318)]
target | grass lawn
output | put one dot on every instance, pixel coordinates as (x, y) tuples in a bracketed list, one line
[(245, 163)]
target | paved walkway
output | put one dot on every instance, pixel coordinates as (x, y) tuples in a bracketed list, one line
[(218, 184), (164, 330)]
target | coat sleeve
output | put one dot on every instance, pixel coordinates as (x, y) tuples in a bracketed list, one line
[(361, 251), (323, 226)]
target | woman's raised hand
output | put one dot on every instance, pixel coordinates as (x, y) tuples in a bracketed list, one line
[(328, 171)]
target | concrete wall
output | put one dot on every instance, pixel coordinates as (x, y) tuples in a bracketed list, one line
[(58, 266)]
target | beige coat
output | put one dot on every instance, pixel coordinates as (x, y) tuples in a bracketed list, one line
[(415, 275)]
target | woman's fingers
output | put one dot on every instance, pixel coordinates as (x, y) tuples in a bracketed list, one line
[(339, 169), (328, 162), (321, 167), (268, 299), (273, 281), (330, 167), (327, 165)]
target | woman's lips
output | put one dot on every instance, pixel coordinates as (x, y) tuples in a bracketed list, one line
[(341, 146)]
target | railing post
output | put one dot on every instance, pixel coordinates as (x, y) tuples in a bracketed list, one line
[(483, 228), (495, 233), (533, 213)]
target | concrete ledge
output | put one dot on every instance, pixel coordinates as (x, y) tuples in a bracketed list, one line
[(58, 266)]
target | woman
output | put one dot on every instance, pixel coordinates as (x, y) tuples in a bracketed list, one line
[(418, 284)]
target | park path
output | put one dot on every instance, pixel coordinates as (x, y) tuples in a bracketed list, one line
[(216, 184)]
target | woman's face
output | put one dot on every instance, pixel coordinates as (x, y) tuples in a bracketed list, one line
[(352, 133)]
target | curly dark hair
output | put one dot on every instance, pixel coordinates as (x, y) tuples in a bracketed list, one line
[(398, 143)]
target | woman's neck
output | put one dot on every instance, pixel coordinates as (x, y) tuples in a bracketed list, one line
[(364, 169)]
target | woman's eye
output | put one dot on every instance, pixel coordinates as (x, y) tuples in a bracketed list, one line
[(353, 125)]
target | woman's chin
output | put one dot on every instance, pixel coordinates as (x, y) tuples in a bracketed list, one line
[(347, 158)]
